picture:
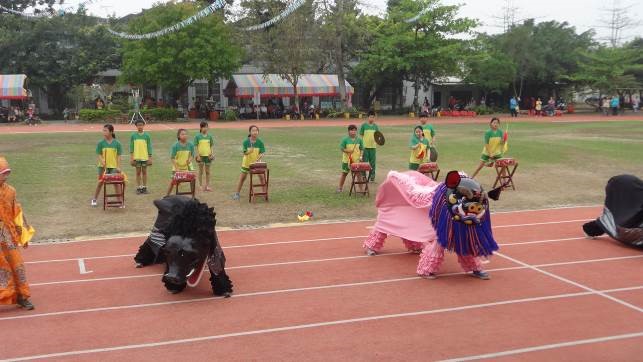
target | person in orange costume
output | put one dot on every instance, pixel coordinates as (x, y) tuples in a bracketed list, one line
[(13, 280)]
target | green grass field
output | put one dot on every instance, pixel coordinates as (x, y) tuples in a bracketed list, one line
[(560, 164)]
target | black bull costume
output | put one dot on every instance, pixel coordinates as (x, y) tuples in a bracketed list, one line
[(622, 217), (184, 238)]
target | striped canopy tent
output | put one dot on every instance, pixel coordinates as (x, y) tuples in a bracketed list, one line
[(273, 85), (12, 86)]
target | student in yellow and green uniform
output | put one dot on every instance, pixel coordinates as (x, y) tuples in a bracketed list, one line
[(428, 130), (108, 152), (352, 147), (253, 151), (181, 155), (493, 145), (140, 148), (367, 131), (204, 144), (419, 146)]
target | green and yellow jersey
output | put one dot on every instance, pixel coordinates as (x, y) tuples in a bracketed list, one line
[(419, 154), (140, 146), (367, 131), (256, 148), (494, 141), (110, 151), (429, 131), (352, 145), (181, 153), (203, 144)]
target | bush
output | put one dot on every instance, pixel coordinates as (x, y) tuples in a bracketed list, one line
[(93, 115), (158, 114), (162, 114), (483, 110), (230, 115)]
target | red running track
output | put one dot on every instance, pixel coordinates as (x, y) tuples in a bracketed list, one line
[(309, 293)]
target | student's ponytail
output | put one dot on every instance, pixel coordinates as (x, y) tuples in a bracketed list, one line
[(110, 128)]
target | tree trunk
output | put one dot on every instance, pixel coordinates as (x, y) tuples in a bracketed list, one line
[(295, 81)]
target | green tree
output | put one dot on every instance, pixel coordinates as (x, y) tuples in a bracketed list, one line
[(543, 53), (56, 53), (342, 36), (610, 70), (420, 51), (22, 5), (489, 68), (288, 48), (204, 50)]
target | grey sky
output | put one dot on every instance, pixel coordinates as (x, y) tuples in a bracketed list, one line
[(584, 14)]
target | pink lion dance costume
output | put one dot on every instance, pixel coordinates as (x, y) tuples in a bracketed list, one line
[(432, 217), (403, 203)]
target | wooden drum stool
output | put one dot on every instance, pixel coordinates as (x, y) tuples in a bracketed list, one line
[(430, 169), (184, 177), (116, 199), (358, 177), (505, 170), (260, 171)]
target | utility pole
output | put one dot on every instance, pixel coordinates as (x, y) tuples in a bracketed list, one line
[(617, 22)]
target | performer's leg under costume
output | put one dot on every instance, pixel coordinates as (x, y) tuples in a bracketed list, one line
[(375, 241), (433, 256), (13, 279)]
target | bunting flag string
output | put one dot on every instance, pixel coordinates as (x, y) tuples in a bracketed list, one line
[(218, 4), (46, 13), (26, 15), (418, 16), (289, 10)]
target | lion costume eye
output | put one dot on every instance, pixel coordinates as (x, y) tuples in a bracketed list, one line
[(452, 199)]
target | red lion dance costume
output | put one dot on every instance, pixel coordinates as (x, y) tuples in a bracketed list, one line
[(430, 217)]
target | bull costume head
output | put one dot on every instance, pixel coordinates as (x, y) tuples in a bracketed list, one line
[(467, 200), (461, 218), (184, 237)]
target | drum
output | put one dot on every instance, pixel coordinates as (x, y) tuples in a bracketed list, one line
[(428, 167), (183, 176), (505, 162), (259, 165), (113, 177), (360, 167)]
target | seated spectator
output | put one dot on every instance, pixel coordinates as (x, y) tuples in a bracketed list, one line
[(264, 111)]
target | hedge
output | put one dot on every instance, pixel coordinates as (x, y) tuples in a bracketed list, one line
[(91, 115)]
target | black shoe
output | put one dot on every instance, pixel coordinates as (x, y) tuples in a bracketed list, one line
[(144, 190), (25, 303), (139, 191)]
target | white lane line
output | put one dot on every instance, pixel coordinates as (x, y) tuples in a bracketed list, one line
[(539, 241), (571, 282), (251, 294), (540, 223), (545, 347), (82, 268), (225, 247), (308, 261), (315, 240), (301, 327), (321, 223), (311, 261), (284, 291)]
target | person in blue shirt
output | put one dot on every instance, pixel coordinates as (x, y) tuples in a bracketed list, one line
[(513, 107), (614, 104)]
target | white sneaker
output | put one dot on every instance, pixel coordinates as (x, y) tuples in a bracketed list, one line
[(94, 203)]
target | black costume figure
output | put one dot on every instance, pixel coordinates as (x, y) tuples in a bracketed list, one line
[(622, 217)]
